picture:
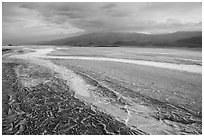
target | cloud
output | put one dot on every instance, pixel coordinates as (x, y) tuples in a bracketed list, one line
[(51, 19), (109, 6)]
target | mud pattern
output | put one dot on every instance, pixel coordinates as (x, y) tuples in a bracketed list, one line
[(49, 107), (43, 96), (172, 114)]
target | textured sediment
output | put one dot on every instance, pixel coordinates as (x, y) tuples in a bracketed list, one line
[(41, 96)]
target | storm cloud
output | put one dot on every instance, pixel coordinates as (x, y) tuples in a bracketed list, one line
[(44, 21)]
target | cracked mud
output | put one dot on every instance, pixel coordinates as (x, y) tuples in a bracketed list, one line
[(42, 96), (49, 107)]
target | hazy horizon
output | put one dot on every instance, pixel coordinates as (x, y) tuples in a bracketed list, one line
[(31, 22)]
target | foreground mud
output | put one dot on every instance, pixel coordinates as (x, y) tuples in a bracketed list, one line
[(41, 96), (38, 102)]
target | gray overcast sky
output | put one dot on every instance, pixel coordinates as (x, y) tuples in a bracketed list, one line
[(25, 22)]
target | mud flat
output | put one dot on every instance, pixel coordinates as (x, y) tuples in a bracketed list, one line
[(173, 55), (83, 96), (179, 67), (39, 102), (139, 100)]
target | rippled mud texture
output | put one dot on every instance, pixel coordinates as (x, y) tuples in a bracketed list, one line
[(36, 101), (181, 119)]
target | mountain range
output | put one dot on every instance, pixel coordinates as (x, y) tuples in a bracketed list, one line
[(176, 39)]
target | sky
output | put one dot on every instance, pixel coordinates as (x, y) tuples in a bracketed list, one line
[(31, 22)]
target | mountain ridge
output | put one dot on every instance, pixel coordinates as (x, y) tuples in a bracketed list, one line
[(118, 39)]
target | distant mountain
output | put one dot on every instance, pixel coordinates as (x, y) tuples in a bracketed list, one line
[(132, 39), (192, 40)]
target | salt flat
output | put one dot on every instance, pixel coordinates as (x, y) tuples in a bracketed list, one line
[(146, 90)]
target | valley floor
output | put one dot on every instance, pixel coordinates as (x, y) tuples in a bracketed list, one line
[(66, 95)]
